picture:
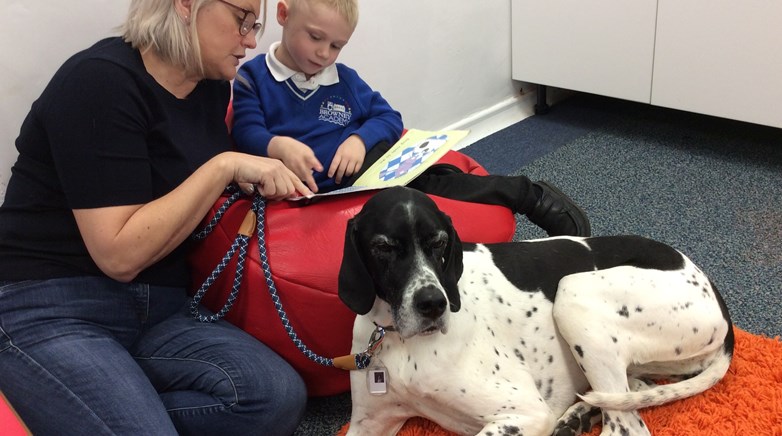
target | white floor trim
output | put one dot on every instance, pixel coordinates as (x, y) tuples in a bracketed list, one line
[(503, 114), (495, 118)]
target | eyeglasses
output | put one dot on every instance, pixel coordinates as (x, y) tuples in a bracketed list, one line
[(247, 22)]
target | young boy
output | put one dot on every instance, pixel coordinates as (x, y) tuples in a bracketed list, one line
[(297, 105), (327, 125)]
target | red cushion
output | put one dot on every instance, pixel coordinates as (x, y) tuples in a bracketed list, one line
[(10, 423), (304, 245)]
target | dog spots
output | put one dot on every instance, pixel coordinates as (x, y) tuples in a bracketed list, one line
[(510, 430), (623, 312), (579, 351), (682, 306), (614, 339), (616, 425), (639, 309), (678, 351), (531, 312), (518, 354), (549, 389), (660, 392)]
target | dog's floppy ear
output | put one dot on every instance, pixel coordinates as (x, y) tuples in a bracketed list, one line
[(356, 287), (453, 266)]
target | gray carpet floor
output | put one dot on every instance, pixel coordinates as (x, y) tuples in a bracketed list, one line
[(708, 186)]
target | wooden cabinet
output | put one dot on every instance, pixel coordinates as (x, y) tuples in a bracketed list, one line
[(716, 57)]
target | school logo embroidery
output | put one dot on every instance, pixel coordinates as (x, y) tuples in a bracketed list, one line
[(411, 157), (335, 110)]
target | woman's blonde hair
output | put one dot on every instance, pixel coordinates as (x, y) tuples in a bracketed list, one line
[(156, 24), (348, 9)]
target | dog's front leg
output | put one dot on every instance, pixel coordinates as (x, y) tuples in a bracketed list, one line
[(371, 422), (381, 415), (538, 422)]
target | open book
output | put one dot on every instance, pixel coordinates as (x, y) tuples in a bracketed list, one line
[(415, 151)]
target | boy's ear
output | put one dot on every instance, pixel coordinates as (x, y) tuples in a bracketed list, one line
[(282, 12)]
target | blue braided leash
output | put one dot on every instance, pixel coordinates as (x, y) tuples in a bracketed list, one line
[(240, 243), (357, 361)]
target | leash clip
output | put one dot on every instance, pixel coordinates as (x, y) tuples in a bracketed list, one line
[(375, 340), (361, 360)]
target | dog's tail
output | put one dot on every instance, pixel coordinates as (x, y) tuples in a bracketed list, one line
[(666, 393)]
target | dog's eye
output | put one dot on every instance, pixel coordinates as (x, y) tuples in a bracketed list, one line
[(438, 244), (383, 248)]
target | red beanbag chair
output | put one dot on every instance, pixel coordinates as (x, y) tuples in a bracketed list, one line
[(10, 422), (304, 245)]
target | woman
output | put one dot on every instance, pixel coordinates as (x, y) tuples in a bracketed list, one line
[(119, 159)]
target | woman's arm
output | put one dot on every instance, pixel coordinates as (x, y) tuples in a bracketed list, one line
[(124, 240)]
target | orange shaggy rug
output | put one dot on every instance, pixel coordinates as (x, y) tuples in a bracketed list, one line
[(748, 401)]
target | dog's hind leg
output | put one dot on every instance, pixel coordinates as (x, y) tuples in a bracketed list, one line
[(589, 313), (623, 423), (581, 417)]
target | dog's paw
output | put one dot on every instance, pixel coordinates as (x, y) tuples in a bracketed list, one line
[(579, 418), (623, 423)]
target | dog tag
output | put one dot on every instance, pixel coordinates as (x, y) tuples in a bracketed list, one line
[(377, 380)]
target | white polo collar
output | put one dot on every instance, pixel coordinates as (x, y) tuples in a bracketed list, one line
[(281, 73)]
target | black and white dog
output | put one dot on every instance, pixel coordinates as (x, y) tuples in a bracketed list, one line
[(522, 338)]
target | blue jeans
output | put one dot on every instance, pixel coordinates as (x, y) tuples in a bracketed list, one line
[(92, 356)]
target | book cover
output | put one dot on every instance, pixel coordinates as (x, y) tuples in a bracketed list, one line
[(415, 151)]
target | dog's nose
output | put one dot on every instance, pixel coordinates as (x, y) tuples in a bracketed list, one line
[(430, 302)]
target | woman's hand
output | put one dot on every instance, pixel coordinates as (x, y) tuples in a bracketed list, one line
[(272, 178)]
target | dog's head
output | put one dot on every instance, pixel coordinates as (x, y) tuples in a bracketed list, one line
[(403, 259)]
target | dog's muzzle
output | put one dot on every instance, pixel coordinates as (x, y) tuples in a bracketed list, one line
[(424, 313), (430, 303)]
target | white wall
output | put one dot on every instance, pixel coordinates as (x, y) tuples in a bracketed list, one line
[(441, 63)]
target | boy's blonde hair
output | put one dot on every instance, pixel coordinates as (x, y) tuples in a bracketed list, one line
[(156, 24), (348, 9)]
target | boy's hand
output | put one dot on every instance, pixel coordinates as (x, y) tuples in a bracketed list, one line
[(348, 159), (298, 157)]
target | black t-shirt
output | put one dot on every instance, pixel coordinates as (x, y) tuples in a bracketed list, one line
[(103, 133)]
